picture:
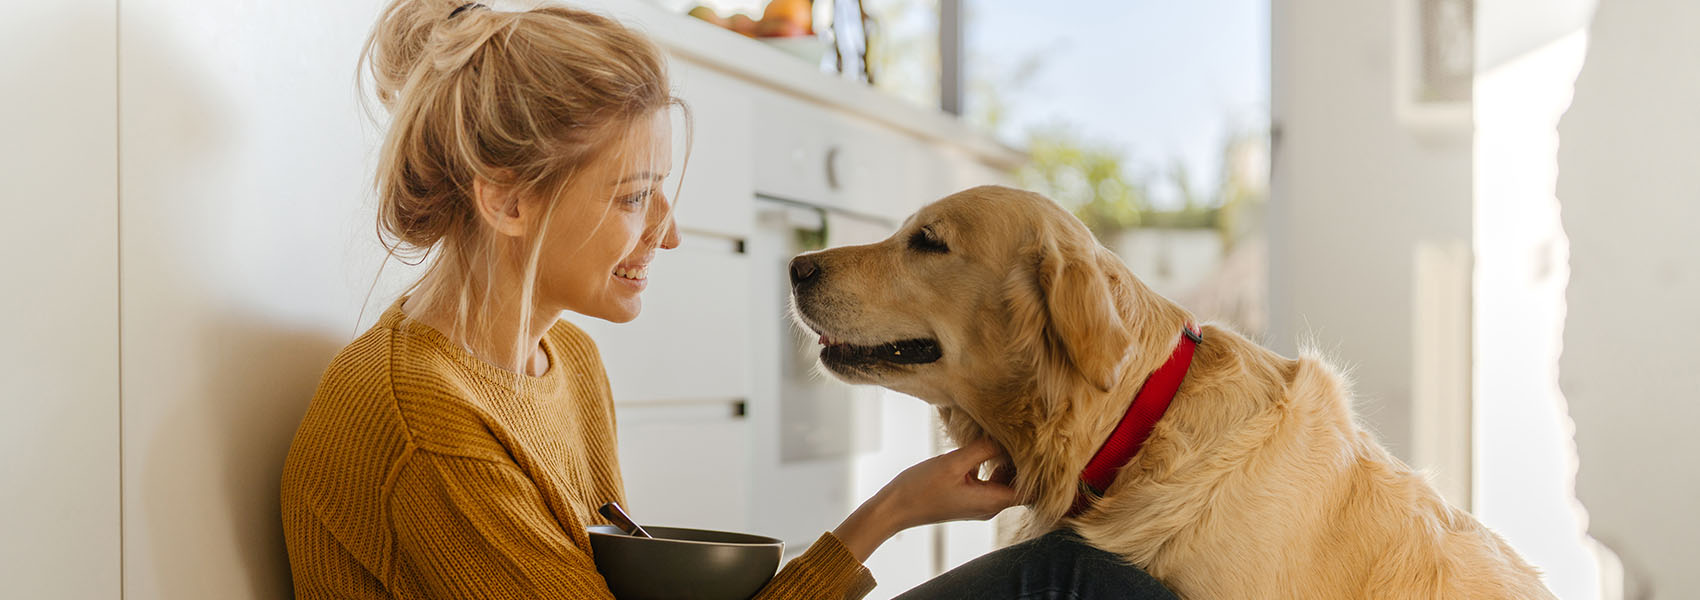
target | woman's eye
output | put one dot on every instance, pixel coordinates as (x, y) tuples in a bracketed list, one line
[(924, 240), (635, 200)]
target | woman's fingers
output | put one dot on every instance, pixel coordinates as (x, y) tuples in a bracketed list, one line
[(992, 495), (978, 451), (996, 496), (948, 488)]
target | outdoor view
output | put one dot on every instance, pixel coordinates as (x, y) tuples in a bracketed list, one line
[(1149, 120)]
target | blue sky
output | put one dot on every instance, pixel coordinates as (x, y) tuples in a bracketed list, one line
[(1158, 79)]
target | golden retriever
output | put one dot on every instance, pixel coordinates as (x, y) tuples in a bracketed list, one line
[(998, 307)]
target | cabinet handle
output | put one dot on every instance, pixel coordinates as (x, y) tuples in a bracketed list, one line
[(833, 181), (682, 409)]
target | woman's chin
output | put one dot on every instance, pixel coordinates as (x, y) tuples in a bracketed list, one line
[(624, 300), (622, 310)]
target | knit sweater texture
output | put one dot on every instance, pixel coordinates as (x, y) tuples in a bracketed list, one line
[(422, 472)]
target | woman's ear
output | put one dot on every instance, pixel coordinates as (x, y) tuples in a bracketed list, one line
[(500, 208), (1081, 311)]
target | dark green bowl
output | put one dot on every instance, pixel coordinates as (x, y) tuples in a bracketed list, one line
[(684, 564)]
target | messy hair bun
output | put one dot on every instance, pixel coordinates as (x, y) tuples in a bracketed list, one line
[(514, 98)]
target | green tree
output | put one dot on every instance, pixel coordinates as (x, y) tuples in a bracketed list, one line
[(1086, 177)]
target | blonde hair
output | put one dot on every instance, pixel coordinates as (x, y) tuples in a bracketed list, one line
[(520, 100)]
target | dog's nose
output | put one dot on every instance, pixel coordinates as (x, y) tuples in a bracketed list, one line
[(802, 269)]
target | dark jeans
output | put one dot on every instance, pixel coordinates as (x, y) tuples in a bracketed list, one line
[(1056, 566)]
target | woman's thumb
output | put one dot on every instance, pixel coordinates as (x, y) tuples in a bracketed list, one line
[(978, 451)]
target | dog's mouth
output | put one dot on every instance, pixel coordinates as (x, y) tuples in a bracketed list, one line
[(915, 351)]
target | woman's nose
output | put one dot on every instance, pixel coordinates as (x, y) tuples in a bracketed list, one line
[(662, 225), (670, 238)]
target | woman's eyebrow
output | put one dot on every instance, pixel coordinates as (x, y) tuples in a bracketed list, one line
[(651, 175)]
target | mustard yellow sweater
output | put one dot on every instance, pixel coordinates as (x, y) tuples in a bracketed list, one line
[(418, 473)]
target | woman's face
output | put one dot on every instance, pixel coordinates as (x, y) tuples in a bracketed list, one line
[(604, 233)]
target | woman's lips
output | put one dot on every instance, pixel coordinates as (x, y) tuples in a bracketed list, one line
[(634, 273)]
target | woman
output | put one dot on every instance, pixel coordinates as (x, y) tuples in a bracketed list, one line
[(459, 448)]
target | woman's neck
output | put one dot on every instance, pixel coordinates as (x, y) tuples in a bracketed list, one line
[(491, 325)]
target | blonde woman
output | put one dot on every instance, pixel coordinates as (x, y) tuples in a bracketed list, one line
[(460, 447)]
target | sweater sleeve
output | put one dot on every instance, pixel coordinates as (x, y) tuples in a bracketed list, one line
[(826, 571), (479, 528)]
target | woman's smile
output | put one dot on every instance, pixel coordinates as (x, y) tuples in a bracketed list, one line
[(637, 280), (634, 274)]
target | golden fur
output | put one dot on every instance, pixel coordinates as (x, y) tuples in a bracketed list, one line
[(1257, 483)]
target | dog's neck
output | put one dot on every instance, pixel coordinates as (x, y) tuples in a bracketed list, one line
[(1148, 406), (1050, 446)]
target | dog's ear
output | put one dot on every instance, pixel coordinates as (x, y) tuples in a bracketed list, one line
[(1081, 306)]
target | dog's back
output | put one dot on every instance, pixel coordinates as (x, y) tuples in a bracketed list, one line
[(1259, 483)]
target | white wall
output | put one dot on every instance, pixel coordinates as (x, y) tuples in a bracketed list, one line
[(1508, 29), (1354, 190), (1629, 186), (247, 249), (59, 301)]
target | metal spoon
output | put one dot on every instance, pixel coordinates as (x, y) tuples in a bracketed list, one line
[(618, 517)]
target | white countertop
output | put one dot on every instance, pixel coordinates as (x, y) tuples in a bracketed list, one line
[(750, 60)]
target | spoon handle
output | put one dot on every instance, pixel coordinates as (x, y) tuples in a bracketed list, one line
[(618, 517)]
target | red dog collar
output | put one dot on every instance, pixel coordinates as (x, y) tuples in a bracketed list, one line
[(1148, 407)]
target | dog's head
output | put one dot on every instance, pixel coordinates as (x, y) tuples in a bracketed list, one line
[(981, 292)]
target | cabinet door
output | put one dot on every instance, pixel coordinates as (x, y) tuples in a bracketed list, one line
[(717, 190), (692, 340)]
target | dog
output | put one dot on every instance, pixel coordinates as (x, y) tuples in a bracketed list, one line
[(999, 308)]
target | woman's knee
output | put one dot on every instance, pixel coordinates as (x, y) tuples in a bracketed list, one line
[(1058, 564)]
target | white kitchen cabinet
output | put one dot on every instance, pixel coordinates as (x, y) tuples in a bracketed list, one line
[(829, 158), (686, 464), (806, 153), (715, 197), (692, 341)]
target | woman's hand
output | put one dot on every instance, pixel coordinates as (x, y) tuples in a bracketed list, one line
[(943, 488)]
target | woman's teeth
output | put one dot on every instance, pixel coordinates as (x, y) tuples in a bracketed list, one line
[(633, 273)]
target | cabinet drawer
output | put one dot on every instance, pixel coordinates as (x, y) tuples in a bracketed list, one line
[(686, 465), (804, 152)]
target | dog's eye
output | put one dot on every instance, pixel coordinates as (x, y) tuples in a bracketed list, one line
[(924, 240)]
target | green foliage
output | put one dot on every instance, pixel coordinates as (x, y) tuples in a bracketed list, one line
[(1087, 178), (1092, 181)]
